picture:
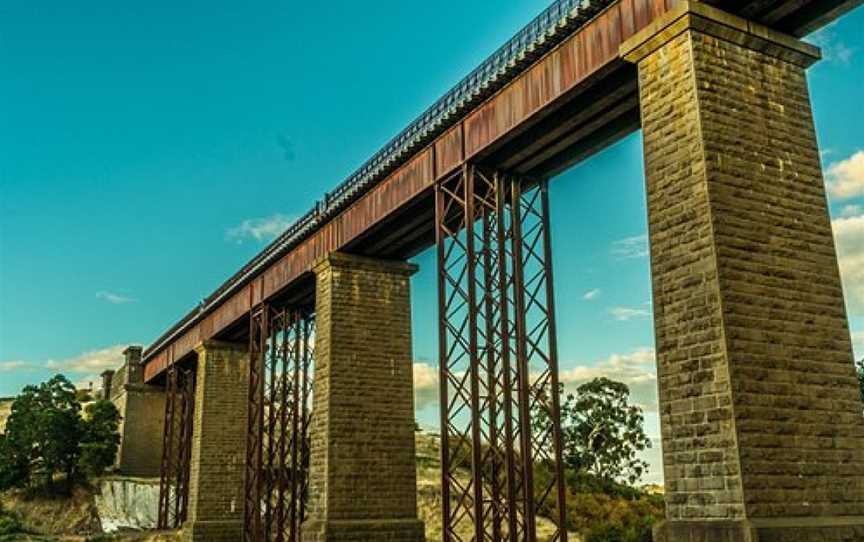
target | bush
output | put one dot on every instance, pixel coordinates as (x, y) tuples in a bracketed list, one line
[(9, 524), (607, 518)]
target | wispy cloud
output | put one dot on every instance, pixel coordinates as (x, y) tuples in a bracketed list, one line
[(637, 369), (590, 295), (259, 229), (631, 247), (833, 50), (849, 238), (624, 314), (92, 362), (425, 385), (114, 298), (14, 365), (845, 178)]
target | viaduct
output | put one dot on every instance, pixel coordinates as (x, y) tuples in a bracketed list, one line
[(281, 407)]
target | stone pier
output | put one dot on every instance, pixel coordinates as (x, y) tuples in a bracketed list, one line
[(763, 433), (218, 443), (142, 407), (363, 480)]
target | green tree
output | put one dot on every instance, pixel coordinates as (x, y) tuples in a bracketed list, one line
[(602, 433), (42, 432), (99, 437), (13, 471)]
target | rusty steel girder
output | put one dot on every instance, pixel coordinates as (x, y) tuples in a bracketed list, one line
[(280, 387), (498, 360), (176, 447)]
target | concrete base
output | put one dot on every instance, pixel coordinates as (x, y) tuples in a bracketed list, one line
[(215, 531), (394, 530), (821, 529)]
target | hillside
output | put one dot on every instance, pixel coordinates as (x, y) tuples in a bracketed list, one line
[(429, 493), (79, 517)]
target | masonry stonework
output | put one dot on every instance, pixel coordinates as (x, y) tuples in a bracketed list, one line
[(142, 408), (762, 426), (218, 443), (363, 474)]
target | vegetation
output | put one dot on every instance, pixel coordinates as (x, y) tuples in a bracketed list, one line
[(602, 434), (100, 438), (47, 441), (9, 524)]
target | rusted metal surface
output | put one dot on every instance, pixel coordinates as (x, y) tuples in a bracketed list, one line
[(279, 413), (176, 447), (576, 54), (519, 100), (500, 415)]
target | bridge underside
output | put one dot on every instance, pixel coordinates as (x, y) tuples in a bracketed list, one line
[(569, 105), (763, 437)]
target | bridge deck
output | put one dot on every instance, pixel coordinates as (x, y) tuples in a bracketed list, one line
[(553, 111)]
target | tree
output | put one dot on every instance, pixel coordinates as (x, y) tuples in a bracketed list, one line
[(13, 472), (42, 432), (602, 432), (46, 437), (99, 438)]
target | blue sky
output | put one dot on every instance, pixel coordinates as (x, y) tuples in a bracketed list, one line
[(149, 150)]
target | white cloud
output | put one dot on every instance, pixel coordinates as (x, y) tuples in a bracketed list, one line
[(624, 314), (425, 385), (849, 237), (591, 294), (91, 362), (14, 365), (631, 247), (637, 369), (845, 178), (116, 299), (833, 50), (259, 229)]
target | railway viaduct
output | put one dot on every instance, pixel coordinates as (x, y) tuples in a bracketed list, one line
[(288, 392)]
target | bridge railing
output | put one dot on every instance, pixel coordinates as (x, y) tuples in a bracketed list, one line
[(537, 37)]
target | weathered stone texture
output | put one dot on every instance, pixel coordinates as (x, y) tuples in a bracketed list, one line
[(218, 443), (760, 412), (142, 411), (363, 476)]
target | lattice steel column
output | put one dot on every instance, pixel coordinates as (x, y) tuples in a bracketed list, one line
[(176, 447), (281, 362), (497, 358)]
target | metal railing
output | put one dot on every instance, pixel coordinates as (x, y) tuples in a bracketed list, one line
[(537, 37)]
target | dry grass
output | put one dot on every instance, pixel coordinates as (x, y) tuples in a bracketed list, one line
[(429, 495)]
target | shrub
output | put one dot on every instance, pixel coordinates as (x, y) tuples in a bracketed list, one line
[(9, 524)]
